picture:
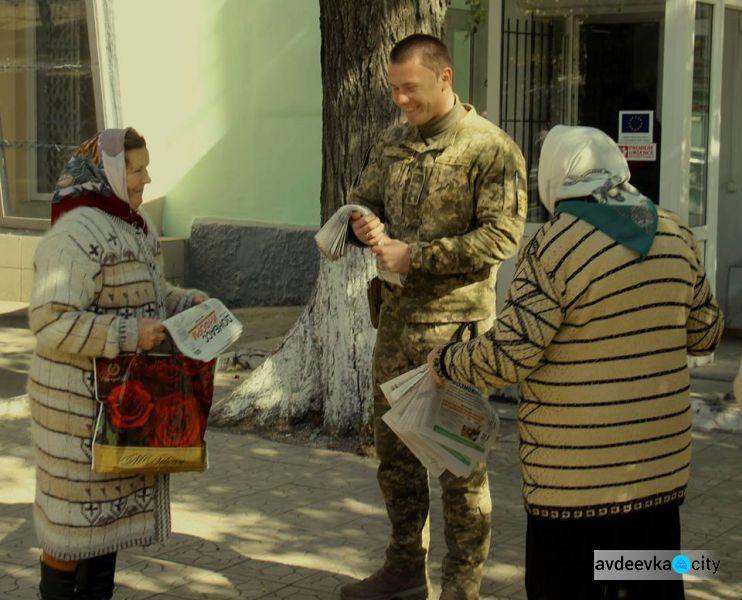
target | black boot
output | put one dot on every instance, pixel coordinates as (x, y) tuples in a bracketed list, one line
[(55, 584), (95, 577)]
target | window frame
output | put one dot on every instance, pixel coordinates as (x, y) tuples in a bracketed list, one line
[(101, 42)]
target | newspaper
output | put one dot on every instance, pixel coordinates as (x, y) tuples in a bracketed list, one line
[(205, 330), (447, 427), (332, 238)]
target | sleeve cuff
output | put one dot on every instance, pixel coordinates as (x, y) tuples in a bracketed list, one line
[(128, 335), (186, 301), (440, 362), (416, 256)]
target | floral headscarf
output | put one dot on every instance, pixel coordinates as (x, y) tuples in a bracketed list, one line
[(96, 176)]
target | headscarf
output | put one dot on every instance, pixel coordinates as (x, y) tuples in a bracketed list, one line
[(96, 176), (583, 172)]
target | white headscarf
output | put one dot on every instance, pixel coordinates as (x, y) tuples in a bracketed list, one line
[(111, 148), (576, 162)]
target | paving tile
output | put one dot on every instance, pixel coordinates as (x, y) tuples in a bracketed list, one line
[(712, 590), (515, 590), (271, 520), (158, 576), (291, 592), (19, 582)]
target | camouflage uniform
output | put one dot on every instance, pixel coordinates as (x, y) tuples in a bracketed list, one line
[(459, 201)]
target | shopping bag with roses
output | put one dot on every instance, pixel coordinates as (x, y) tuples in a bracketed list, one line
[(153, 413)]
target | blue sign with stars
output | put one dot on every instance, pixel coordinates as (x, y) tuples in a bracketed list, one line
[(635, 126)]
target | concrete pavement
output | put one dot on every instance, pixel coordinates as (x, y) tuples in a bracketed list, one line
[(279, 520)]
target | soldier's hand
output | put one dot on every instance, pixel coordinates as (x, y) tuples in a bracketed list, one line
[(368, 229), (392, 255), (151, 334)]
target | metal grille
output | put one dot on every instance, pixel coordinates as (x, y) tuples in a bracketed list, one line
[(528, 71), (45, 57), (62, 94)]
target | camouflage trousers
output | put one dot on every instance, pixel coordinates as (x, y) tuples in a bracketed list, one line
[(467, 506)]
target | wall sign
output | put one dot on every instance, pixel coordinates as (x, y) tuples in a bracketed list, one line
[(635, 126), (637, 152)]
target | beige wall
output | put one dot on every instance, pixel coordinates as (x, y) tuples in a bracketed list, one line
[(16, 263)]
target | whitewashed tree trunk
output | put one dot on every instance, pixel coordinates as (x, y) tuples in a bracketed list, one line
[(324, 364)]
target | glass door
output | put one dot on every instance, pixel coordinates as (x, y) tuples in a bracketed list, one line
[(582, 63), (619, 91)]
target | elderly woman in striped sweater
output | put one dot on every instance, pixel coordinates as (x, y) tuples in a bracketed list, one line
[(98, 290), (608, 299)]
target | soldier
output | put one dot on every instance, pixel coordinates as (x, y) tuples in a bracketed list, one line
[(447, 189)]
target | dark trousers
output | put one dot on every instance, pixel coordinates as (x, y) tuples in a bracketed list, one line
[(559, 555), (93, 579)]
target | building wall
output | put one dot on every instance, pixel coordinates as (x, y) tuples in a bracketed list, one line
[(228, 94)]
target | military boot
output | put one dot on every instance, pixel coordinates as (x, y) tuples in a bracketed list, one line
[(452, 591), (456, 593), (387, 585)]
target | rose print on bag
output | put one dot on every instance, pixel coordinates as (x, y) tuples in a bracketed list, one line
[(154, 413), (129, 405), (162, 372), (178, 422)]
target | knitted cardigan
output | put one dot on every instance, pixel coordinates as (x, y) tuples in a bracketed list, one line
[(94, 276), (598, 340)]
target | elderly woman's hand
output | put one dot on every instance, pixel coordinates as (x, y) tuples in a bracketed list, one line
[(432, 357), (151, 334), (199, 298)]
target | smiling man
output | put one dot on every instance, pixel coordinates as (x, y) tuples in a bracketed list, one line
[(447, 192)]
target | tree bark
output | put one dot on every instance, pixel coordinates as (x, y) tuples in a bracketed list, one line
[(324, 364)]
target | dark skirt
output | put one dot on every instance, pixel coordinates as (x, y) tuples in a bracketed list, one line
[(559, 555)]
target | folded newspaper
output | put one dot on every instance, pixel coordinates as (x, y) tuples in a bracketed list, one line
[(332, 238), (205, 330), (447, 427)]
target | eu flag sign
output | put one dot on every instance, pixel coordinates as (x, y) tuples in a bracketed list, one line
[(635, 126)]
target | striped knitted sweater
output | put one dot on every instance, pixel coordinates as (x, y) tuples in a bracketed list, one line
[(598, 341), (94, 276)]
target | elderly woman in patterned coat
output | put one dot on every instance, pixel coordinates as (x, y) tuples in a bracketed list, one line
[(608, 299), (98, 290)]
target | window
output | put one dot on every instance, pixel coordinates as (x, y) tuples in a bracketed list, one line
[(48, 99), (536, 80)]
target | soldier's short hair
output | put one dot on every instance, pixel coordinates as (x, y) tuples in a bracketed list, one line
[(433, 52)]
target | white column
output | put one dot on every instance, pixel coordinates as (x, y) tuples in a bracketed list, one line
[(714, 141), (677, 92), (105, 72)]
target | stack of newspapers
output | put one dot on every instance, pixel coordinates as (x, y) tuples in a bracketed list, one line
[(447, 427), (332, 238)]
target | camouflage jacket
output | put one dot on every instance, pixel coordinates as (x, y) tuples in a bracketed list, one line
[(460, 202)]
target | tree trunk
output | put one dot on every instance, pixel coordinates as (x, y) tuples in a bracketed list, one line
[(324, 364)]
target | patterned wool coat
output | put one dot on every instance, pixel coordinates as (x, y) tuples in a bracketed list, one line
[(94, 276)]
